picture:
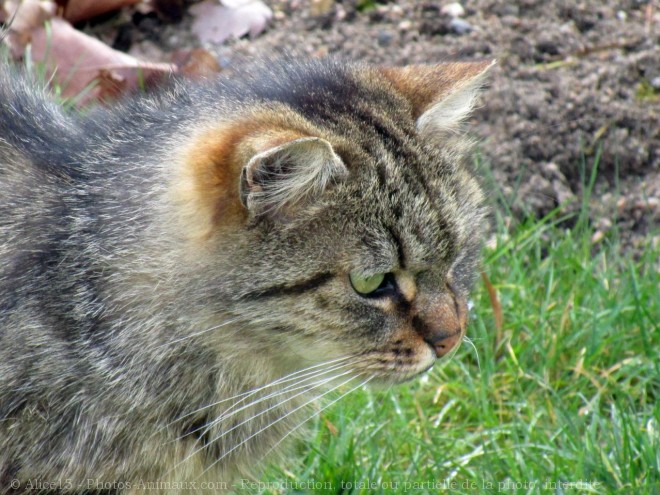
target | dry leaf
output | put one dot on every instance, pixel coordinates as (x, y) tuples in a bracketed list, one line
[(109, 85), (216, 23), (195, 63), (494, 302), (80, 10), (82, 66), (78, 61), (331, 428), (31, 15)]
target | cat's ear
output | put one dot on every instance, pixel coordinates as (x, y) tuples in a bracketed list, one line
[(277, 180), (441, 96)]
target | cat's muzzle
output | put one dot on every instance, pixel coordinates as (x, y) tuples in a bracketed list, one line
[(445, 322)]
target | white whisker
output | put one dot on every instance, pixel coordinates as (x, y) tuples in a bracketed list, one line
[(290, 388), (306, 389), (261, 413), (468, 340), (287, 378), (316, 413), (243, 442), (304, 383)]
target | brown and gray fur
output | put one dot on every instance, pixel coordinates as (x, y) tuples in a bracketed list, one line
[(162, 257)]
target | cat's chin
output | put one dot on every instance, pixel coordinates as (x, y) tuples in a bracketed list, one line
[(391, 376), (398, 378)]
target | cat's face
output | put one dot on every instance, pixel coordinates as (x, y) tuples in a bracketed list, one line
[(356, 226)]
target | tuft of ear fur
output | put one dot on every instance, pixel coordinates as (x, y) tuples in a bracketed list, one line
[(267, 161), (294, 173), (442, 95)]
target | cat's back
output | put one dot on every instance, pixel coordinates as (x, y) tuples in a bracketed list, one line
[(38, 145), (37, 141)]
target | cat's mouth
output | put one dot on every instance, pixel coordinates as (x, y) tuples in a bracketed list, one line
[(399, 365), (402, 376), (399, 376), (405, 359)]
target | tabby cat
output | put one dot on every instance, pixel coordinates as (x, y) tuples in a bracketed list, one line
[(183, 273)]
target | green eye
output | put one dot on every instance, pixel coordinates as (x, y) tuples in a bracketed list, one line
[(366, 284)]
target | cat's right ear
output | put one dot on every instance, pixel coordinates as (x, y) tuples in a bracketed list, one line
[(441, 96), (278, 180)]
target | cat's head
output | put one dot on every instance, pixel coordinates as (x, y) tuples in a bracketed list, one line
[(339, 208)]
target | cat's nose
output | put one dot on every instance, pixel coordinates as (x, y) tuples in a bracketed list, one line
[(442, 344), (441, 322)]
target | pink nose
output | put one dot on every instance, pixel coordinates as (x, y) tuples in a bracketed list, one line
[(443, 344), (441, 322)]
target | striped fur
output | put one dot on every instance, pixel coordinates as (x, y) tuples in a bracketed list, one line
[(174, 281)]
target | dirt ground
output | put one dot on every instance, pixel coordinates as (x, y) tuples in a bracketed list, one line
[(576, 83)]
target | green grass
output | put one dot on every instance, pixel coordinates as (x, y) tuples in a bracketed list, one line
[(563, 398)]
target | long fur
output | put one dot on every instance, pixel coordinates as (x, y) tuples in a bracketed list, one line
[(153, 327)]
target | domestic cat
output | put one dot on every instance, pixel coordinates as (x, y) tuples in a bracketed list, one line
[(182, 274)]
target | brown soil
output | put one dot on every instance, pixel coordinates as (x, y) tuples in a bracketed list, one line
[(577, 83)]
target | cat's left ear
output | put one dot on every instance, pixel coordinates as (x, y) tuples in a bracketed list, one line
[(441, 96), (277, 180)]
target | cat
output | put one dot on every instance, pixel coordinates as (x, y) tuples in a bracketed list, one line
[(183, 273)]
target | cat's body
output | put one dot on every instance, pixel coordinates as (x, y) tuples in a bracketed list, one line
[(162, 257)]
